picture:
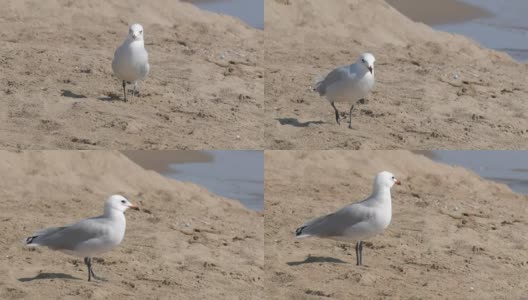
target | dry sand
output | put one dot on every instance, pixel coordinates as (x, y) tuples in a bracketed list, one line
[(185, 243), (417, 102), (56, 78), (453, 235)]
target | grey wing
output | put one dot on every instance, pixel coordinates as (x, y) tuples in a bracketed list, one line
[(115, 60), (35, 237), (335, 224), (339, 74), (144, 70), (68, 237)]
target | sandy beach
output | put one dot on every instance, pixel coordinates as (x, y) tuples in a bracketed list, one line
[(434, 90), (184, 243), (453, 235), (204, 91)]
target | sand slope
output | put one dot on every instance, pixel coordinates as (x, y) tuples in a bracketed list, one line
[(453, 235), (58, 90), (185, 243), (417, 103)]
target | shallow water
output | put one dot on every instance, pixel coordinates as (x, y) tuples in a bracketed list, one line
[(232, 174), (249, 11), (508, 167), (506, 30)]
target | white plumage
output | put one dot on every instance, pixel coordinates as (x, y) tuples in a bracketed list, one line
[(130, 63), (348, 83), (88, 237), (358, 221)]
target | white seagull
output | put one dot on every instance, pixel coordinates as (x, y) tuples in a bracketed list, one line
[(130, 62), (348, 83), (358, 221), (88, 237)]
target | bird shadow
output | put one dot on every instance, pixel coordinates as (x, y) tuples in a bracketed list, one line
[(111, 97), (316, 259), (48, 276), (70, 94), (294, 122)]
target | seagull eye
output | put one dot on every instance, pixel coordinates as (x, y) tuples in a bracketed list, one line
[(123, 201), (393, 177), (141, 32), (363, 60)]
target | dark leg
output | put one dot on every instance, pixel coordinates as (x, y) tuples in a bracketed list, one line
[(350, 121), (136, 91), (336, 112), (88, 262), (359, 250), (124, 90)]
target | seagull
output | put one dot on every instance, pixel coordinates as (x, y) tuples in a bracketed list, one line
[(348, 83), (130, 62), (88, 237), (358, 221)]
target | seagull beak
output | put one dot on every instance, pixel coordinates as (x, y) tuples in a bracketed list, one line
[(133, 206), (396, 181), (370, 69)]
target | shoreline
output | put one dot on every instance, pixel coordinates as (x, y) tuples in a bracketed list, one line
[(433, 12), (161, 161)]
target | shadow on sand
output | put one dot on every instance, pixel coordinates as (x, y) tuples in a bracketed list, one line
[(294, 122), (316, 259), (48, 276), (70, 94)]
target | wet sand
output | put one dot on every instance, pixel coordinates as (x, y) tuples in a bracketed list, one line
[(249, 11), (433, 12), (159, 160)]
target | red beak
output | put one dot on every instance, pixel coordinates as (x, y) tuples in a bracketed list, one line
[(134, 207), (370, 69), (396, 181)]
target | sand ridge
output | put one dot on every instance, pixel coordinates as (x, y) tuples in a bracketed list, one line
[(453, 234), (184, 243), (204, 89), (434, 90)]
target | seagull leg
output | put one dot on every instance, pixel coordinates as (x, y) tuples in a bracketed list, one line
[(350, 121), (135, 90), (359, 250), (124, 90), (336, 112), (88, 262)]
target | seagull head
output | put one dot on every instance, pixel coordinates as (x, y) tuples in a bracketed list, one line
[(385, 179), (119, 203), (135, 32), (367, 60)]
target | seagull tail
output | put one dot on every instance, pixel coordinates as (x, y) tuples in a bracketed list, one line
[(300, 234), (41, 237), (32, 241)]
